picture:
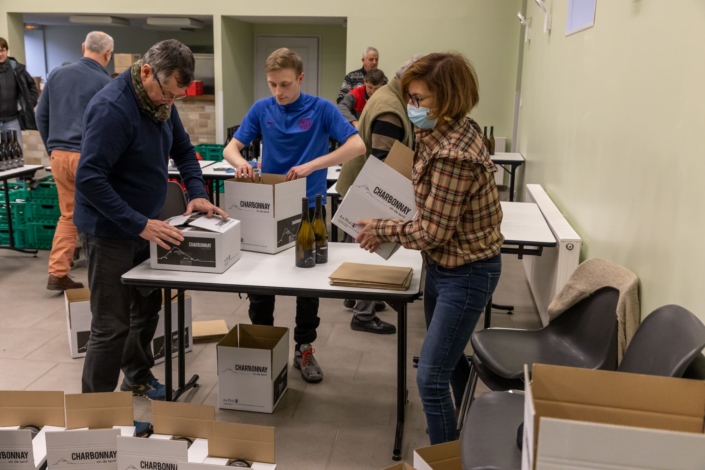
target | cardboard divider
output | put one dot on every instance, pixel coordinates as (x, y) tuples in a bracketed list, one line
[(400, 466), (260, 337), (182, 419), (241, 441), (99, 410), (22, 408), (439, 457)]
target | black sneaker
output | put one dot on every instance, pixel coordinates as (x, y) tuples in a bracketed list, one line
[(348, 303), (375, 326), (307, 364), (380, 306), (152, 389)]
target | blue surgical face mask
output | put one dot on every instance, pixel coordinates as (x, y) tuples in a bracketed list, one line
[(419, 116)]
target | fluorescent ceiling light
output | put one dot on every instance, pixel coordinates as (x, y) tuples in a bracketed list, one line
[(175, 22), (99, 20)]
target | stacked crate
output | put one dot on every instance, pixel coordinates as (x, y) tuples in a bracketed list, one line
[(42, 213), (18, 209)]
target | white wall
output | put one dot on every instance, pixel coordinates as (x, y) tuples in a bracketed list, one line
[(34, 53)]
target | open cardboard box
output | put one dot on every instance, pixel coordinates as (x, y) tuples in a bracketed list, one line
[(93, 422), (269, 209), (184, 420), (400, 466), (18, 409), (604, 420), (382, 190), (253, 363), (444, 456), (231, 441), (78, 320)]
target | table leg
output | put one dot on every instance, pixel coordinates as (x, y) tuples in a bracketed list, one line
[(167, 345), (512, 177), (333, 227), (488, 313), (402, 392), (193, 382)]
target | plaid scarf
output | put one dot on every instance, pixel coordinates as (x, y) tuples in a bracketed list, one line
[(159, 113)]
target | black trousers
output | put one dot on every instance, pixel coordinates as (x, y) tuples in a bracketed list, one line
[(261, 310), (123, 319)]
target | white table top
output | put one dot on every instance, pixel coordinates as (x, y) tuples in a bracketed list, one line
[(502, 158), (7, 174), (524, 223), (210, 171), (203, 163), (334, 173), (278, 272)]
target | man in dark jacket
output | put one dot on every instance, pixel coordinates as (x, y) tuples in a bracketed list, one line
[(18, 94), (64, 99), (356, 78), (130, 129)]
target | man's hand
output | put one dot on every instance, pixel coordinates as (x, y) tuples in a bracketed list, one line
[(301, 171), (355, 123), (245, 170), (204, 205), (365, 238), (161, 232)]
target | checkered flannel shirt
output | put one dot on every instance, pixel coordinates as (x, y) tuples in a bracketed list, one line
[(459, 213)]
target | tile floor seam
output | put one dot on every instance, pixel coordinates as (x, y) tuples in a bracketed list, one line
[(332, 448), (38, 378), (56, 335)]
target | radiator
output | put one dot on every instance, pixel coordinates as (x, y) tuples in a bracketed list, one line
[(548, 273)]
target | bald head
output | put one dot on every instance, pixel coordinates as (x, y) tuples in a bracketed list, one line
[(99, 47)]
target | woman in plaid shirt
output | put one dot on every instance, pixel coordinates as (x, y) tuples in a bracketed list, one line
[(457, 227)]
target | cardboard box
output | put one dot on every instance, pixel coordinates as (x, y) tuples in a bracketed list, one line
[(382, 190), (125, 60), (400, 466), (78, 320), (269, 209), (231, 441), (209, 331), (211, 245), (17, 409), (99, 410), (602, 419), (94, 449), (253, 362), (135, 453), (439, 457)]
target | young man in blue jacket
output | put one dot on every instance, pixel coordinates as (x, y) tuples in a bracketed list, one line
[(130, 129), (295, 129), (64, 99)]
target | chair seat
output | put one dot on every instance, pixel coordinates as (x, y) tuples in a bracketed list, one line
[(488, 439), (494, 381)]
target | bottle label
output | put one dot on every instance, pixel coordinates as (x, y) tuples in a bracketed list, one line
[(309, 260), (322, 254), (286, 230)]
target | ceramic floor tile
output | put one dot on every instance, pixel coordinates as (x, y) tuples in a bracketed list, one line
[(363, 447), (56, 349), (65, 376), (302, 446), (16, 374), (16, 343)]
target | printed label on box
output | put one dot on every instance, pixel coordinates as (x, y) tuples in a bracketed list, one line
[(199, 252), (381, 197), (82, 338), (287, 229), (158, 344), (280, 383), (250, 204)]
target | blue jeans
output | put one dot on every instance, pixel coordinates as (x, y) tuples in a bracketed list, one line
[(454, 299), (13, 125)]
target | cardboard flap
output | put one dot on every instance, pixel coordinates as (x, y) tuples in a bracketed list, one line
[(260, 337), (441, 456), (400, 159), (21, 408), (77, 295), (268, 178), (99, 410), (366, 275), (205, 331), (181, 419), (232, 339), (400, 466), (241, 441)]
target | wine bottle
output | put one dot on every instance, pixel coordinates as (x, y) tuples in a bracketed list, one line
[(492, 143), (320, 232), (485, 140), (3, 160), (18, 153), (305, 251)]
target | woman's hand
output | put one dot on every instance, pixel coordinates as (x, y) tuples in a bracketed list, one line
[(365, 238), (301, 171)]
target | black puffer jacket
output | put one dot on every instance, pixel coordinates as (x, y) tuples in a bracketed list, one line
[(27, 95)]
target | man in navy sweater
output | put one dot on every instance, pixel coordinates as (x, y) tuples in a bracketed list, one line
[(64, 99), (130, 129)]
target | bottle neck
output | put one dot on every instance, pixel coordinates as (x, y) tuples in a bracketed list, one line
[(304, 208)]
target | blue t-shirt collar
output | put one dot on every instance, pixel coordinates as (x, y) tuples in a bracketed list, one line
[(297, 105)]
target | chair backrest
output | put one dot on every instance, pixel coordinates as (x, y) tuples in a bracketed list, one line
[(591, 326), (175, 201), (665, 344)]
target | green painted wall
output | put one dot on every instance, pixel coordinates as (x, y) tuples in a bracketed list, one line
[(612, 127)]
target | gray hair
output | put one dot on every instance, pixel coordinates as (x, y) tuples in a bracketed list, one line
[(406, 65), (368, 50), (170, 56), (99, 43)]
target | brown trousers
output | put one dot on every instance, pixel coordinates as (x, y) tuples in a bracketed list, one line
[(63, 168)]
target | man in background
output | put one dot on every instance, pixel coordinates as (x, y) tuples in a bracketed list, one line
[(64, 99), (370, 59), (383, 122), (18, 94), (354, 102)]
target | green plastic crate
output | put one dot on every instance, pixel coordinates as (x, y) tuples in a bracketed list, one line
[(210, 152), (19, 215), (16, 190), (43, 211), (20, 236), (40, 235), (45, 190)]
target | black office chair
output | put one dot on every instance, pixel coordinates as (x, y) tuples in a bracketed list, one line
[(667, 343), (175, 201)]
